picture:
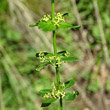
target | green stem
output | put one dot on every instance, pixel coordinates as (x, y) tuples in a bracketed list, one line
[(57, 70), (59, 82), (55, 53), (53, 9), (54, 43), (61, 103), (58, 76)]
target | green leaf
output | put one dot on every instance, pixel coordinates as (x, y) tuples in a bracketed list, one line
[(41, 66), (49, 100), (65, 14), (32, 25), (46, 26), (69, 59), (70, 96), (45, 104), (62, 53), (69, 84), (45, 91), (65, 25), (49, 55), (76, 27)]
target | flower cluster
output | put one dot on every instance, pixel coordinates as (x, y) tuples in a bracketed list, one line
[(46, 18), (42, 57), (55, 93), (58, 18), (54, 60)]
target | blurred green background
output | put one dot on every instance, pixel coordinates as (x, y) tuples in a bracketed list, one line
[(20, 83)]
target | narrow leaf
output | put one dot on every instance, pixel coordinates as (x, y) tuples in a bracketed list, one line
[(45, 104), (41, 66), (32, 25), (69, 84), (49, 55), (49, 100), (65, 25), (45, 91), (76, 27), (65, 14), (70, 96), (69, 59), (62, 53)]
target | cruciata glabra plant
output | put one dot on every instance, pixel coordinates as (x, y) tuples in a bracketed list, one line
[(51, 23)]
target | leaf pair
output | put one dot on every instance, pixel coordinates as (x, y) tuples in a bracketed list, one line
[(61, 55), (49, 26), (67, 84), (42, 65), (69, 96)]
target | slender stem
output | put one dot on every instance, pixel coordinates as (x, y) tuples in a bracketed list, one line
[(61, 103), (55, 53), (54, 43), (53, 9), (58, 76)]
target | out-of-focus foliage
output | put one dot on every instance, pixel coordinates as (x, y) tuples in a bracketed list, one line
[(20, 81)]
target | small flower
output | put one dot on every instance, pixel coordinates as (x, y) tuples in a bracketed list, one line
[(51, 58), (41, 54), (42, 60), (46, 96), (63, 85), (63, 94), (67, 54), (58, 61), (54, 86), (73, 92)]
